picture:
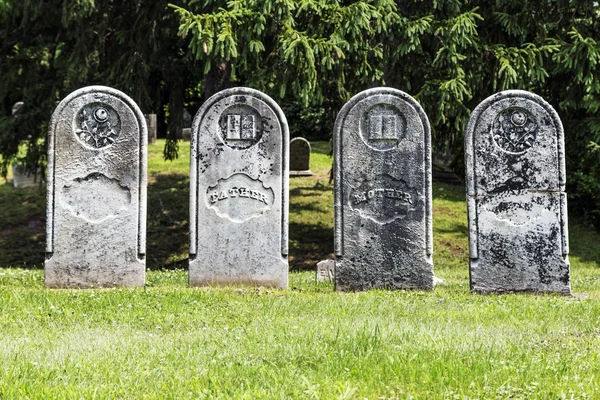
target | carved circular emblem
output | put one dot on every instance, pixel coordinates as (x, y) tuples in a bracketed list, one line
[(382, 126), (240, 126), (514, 130), (97, 125)]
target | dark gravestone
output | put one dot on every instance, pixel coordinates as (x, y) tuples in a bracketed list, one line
[(239, 189), (517, 206), (152, 127), (96, 201), (300, 157), (382, 164)]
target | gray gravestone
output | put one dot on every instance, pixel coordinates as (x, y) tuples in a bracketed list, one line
[(382, 172), (326, 271), (514, 149), (152, 127), (23, 178), (300, 157), (96, 202), (239, 191)]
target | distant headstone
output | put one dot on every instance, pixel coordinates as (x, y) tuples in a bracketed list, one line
[(17, 107), (23, 178), (186, 119), (186, 134), (382, 172), (239, 191), (152, 127), (96, 201), (514, 149), (300, 157), (325, 270)]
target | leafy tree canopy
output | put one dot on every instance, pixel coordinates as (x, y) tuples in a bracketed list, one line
[(312, 55)]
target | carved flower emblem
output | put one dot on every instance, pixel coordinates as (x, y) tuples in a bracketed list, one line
[(514, 130), (99, 126)]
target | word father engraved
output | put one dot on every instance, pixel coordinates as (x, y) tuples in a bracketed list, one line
[(238, 192), (382, 193)]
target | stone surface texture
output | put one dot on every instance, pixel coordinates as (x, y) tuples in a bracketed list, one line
[(326, 271), (239, 188), (382, 172), (96, 191), (300, 157), (515, 165)]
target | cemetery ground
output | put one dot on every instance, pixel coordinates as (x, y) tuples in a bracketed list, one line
[(169, 340)]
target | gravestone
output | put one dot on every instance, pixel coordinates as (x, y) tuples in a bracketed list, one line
[(186, 134), (325, 270), (515, 170), (382, 172), (23, 178), (96, 193), (152, 127), (239, 191), (300, 157), (17, 107)]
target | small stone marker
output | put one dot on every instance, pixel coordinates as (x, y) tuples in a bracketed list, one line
[(515, 165), (239, 191), (325, 270), (96, 201), (382, 172), (300, 157), (186, 134), (23, 178)]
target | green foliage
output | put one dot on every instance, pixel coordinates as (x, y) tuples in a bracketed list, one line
[(49, 49), (313, 55)]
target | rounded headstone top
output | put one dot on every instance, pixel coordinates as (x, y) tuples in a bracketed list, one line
[(240, 112), (514, 133), (381, 117)]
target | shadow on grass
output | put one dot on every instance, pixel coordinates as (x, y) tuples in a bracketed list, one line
[(445, 191), (22, 226), (167, 242), (320, 147), (309, 243)]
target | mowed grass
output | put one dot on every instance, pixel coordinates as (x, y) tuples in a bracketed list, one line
[(170, 341)]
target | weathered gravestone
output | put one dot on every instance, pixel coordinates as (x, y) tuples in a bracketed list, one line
[(239, 191), (514, 149), (382, 164), (300, 157), (96, 201)]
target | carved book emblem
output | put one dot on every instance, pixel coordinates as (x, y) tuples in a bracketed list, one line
[(97, 125), (382, 127), (514, 130), (240, 126)]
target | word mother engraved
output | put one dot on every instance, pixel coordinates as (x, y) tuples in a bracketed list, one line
[(382, 199), (382, 193)]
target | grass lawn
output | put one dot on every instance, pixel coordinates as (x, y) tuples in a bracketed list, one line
[(170, 341)]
